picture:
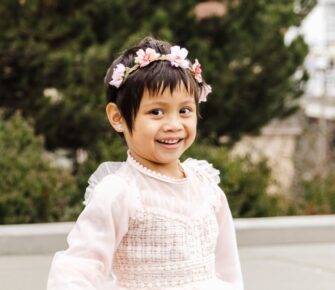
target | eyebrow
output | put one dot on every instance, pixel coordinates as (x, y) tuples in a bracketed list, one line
[(162, 103)]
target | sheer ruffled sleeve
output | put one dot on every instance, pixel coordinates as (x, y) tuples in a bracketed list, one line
[(227, 266), (102, 171), (91, 243), (204, 170), (227, 263)]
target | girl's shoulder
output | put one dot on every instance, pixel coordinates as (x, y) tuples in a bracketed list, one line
[(105, 176), (203, 170)]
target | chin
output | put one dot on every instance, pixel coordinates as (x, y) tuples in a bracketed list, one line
[(168, 158)]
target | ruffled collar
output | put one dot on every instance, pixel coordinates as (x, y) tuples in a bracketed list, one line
[(134, 163)]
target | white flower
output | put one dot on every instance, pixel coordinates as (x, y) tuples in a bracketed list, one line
[(118, 75), (205, 90), (177, 57), (143, 58)]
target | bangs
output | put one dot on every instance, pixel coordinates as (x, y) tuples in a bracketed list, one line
[(160, 75)]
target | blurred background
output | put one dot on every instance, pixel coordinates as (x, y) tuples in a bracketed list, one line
[(268, 125)]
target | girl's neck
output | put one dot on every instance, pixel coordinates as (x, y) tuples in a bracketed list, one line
[(172, 169)]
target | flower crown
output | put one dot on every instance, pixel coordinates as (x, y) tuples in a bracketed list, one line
[(177, 58)]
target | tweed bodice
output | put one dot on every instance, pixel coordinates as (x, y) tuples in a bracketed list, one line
[(163, 249)]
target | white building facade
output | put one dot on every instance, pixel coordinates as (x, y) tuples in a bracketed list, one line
[(319, 31)]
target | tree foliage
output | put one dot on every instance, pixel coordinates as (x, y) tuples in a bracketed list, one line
[(244, 182), (67, 45), (30, 190)]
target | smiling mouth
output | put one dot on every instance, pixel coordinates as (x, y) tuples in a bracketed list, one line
[(169, 141)]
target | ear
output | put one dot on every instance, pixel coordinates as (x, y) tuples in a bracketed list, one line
[(115, 117)]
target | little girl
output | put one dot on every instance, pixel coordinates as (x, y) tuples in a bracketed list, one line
[(152, 222)]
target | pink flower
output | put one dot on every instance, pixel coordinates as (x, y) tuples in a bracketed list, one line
[(118, 75), (205, 90), (143, 58), (177, 57), (197, 71)]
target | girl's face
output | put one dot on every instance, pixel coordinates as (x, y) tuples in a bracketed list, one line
[(164, 127)]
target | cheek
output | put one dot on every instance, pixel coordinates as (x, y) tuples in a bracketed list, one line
[(192, 127), (194, 123), (145, 128)]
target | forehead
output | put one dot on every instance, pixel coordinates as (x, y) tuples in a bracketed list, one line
[(178, 94)]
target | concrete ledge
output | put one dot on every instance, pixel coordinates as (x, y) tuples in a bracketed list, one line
[(48, 238), (285, 230), (33, 238)]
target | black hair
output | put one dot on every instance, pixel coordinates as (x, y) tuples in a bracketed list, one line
[(155, 77)]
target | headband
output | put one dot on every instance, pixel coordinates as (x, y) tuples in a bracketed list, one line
[(177, 58)]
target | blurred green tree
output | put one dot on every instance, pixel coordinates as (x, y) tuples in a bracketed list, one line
[(244, 182), (30, 189), (49, 57), (64, 47)]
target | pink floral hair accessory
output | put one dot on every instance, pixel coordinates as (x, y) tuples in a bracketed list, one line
[(204, 91), (177, 58), (197, 71), (118, 75), (143, 58)]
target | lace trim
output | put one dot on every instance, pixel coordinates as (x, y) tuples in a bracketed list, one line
[(155, 174)]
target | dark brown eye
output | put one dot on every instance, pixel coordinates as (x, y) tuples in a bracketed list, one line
[(157, 112), (185, 111)]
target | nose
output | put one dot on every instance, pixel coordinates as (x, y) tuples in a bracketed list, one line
[(173, 123)]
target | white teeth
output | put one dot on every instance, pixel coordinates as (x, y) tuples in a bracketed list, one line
[(169, 141)]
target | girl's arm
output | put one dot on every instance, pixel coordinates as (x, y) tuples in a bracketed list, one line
[(228, 266), (100, 227)]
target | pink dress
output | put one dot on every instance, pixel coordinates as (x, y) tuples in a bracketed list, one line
[(144, 230)]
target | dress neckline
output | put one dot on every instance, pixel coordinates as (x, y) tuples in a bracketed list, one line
[(145, 170)]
